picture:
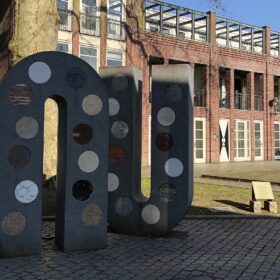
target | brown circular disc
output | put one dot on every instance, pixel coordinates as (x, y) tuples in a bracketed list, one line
[(19, 156), (164, 141), (117, 154), (82, 134), (20, 95), (14, 224)]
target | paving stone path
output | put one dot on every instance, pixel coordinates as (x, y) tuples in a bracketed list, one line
[(198, 249)]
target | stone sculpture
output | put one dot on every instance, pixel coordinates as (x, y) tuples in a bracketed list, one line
[(81, 222), (82, 168), (171, 149)]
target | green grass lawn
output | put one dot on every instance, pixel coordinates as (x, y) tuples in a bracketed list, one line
[(205, 196)]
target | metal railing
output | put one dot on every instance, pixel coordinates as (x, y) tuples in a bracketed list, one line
[(224, 100), (90, 25), (258, 102), (241, 101), (234, 34), (275, 43), (177, 21), (116, 30), (199, 98), (64, 20)]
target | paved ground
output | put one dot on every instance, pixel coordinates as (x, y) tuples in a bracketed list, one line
[(198, 249)]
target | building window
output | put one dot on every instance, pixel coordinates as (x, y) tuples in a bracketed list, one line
[(115, 9), (64, 15), (224, 88), (62, 5), (89, 54), (89, 7), (242, 147), (277, 140), (200, 85), (114, 58), (63, 47)]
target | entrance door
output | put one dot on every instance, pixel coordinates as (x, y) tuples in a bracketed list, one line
[(259, 140), (224, 141), (199, 140), (242, 147)]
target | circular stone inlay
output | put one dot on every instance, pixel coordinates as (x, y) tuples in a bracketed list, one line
[(166, 116), (113, 182), (174, 93), (119, 129), (173, 167), (150, 214), (124, 206), (20, 95), (120, 82), (14, 224), (88, 161), (92, 105), (19, 156), (164, 141), (82, 190), (27, 127), (114, 107), (26, 191), (39, 72), (167, 193), (92, 215), (82, 134), (76, 78), (117, 154)]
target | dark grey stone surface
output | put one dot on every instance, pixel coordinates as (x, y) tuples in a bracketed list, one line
[(71, 82), (172, 157), (201, 249)]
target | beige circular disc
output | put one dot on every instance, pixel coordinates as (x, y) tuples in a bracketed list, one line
[(14, 224), (27, 127), (92, 105), (92, 214), (88, 161)]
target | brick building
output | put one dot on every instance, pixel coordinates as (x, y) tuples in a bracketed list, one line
[(237, 68)]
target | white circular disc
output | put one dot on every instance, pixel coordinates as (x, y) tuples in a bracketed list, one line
[(114, 107), (39, 72), (150, 214), (92, 104), (113, 182), (88, 161), (27, 127), (174, 167), (26, 191), (119, 129), (166, 116)]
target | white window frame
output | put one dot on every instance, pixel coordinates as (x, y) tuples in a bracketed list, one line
[(247, 140), (203, 159), (261, 157), (114, 50), (274, 155), (68, 43), (97, 53)]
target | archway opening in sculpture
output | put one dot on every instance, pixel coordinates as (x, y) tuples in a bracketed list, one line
[(55, 129)]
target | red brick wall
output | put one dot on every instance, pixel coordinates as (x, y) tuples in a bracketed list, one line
[(145, 45)]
